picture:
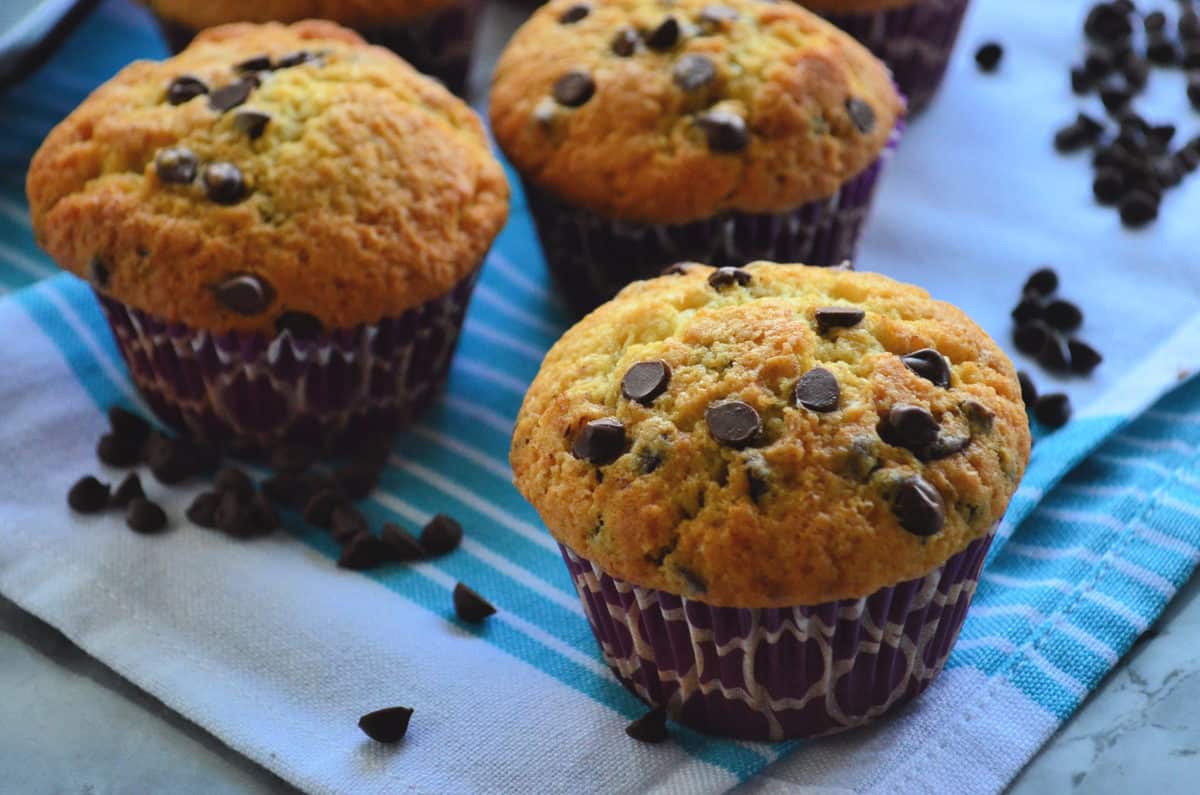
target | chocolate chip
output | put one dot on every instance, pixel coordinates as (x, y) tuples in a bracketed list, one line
[(245, 294), (1053, 355), (1137, 73), (919, 507), (724, 132), (386, 725), (1098, 64), (235, 480), (831, 317), (176, 165), (98, 272), (1189, 25), (1155, 21), (185, 87), (319, 508), (1138, 208), (861, 459), (650, 728), (362, 552), (127, 425), (259, 63), (347, 522), (1029, 310), (574, 88), (1108, 186), (1161, 50), (88, 495), (251, 122), (1078, 134), (1063, 315), (733, 423), (145, 517), (223, 183), (862, 114), (293, 458), (1107, 22), (167, 459), (470, 606), (818, 390), (404, 548), (203, 510), (228, 97), (232, 515), (574, 14), (725, 277), (117, 451), (908, 426), (988, 56), (625, 42), (758, 476), (944, 446), (645, 381), (357, 480), (601, 441), (1053, 410), (1043, 281), (693, 72), (930, 365), (294, 59), (1115, 98), (1084, 358), (301, 325), (1031, 338), (129, 489), (1029, 392), (979, 417), (1081, 81), (263, 518), (677, 269), (665, 36), (441, 535)]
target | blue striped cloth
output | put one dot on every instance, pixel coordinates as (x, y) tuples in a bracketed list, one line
[(1103, 532)]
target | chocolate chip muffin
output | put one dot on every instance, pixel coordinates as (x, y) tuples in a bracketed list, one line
[(648, 133), (800, 464), (915, 38), (283, 224), (436, 36)]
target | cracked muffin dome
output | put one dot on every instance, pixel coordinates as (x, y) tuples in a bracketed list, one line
[(771, 436), (268, 174), (353, 13), (670, 112)]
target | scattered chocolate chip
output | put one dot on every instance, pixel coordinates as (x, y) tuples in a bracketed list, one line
[(665, 36), (818, 390), (1115, 98), (386, 725), (919, 507), (319, 508), (129, 489), (228, 97), (245, 294), (117, 451), (1078, 134), (693, 72), (441, 535), (357, 480), (403, 546), (251, 123), (203, 510), (908, 426), (1098, 64), (650, 728), (574, 88), (1137, 73), (185, 87), (1031, 338), (470, 606), (98, 272), (733, 423), (1053, 410), (930, 365), (1109, 185), (259, 63), (235, 480), (1063, 315), (232, 515), (144, 516), (574, 14), (645, 381), (88, 495), (347, 522), (167, 459), (987, 57), (1161, 50), (1053, 355), (1081, 81), (726, 277), (301, 325), (1189, 25), (625, 42), (1029, 392), (1155, 22), (1043, 281), (601, 441), (223, 183), (1138, 208), (362, 552), (862, 114), (1108, 22), (831, 317), (294, 59), (1084, 358), (128, 426), (263, 517), (176, 165), (724, 132), (1029, 310)]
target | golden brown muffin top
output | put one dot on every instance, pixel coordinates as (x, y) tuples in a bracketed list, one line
[(771, 436), (269, 170), (353, 13), (661, 112)]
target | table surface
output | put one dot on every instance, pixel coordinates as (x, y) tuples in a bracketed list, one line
[(70, 725)]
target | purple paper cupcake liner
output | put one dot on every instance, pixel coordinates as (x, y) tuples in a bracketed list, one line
[(915, 41), (438, 44), (253, 392), (779, 673), (592, 257)]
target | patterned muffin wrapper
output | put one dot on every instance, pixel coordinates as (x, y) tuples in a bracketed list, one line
[(252, 392), (915, 41), (438, 44), (779, 673), (592, 257)]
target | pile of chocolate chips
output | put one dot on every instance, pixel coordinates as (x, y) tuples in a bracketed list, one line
[(1134, 161)]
